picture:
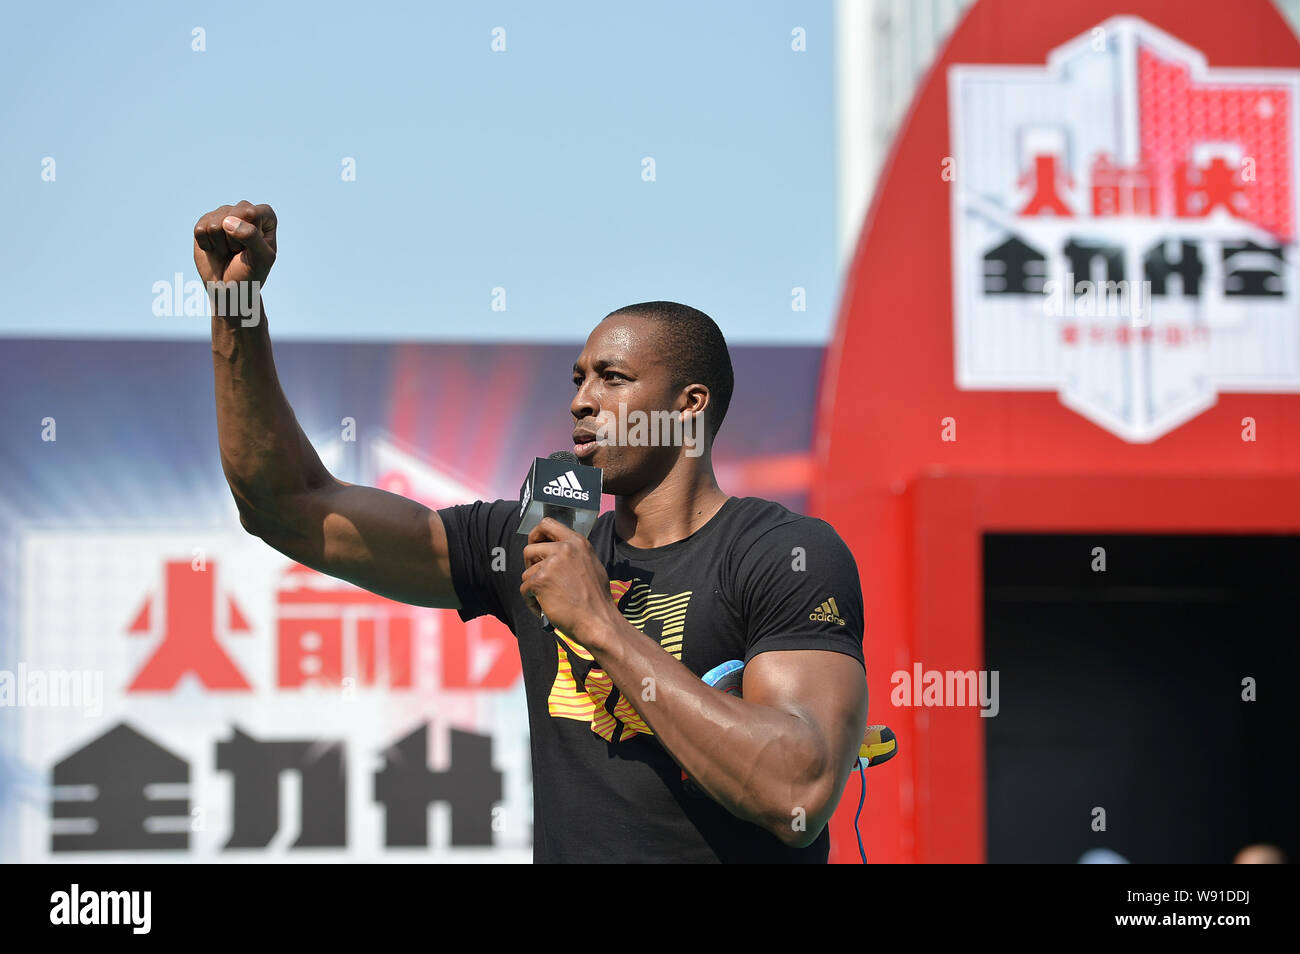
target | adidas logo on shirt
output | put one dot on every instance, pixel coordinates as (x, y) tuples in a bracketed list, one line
[(566, 485), (828, 612)]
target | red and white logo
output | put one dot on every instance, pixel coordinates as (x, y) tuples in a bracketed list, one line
[(1124, 228)]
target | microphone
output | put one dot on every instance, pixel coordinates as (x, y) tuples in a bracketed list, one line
[(879, 744), (558, 512), (563, 489)]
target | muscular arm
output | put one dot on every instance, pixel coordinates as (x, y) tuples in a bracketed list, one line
[(383, 542), (780, 756)]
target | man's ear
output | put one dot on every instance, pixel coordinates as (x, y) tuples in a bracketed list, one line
[(695, 409), (694, 398)]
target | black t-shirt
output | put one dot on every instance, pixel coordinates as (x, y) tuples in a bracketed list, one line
[(756, 577)]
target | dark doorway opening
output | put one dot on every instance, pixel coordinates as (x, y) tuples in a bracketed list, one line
[(1122, 690)]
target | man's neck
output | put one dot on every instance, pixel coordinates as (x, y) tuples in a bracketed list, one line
[(685, 500)]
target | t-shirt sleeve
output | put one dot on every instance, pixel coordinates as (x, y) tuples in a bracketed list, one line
[(799, 589), (481, 544)]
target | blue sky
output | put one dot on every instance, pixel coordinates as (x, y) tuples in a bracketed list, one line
[(474, 169)]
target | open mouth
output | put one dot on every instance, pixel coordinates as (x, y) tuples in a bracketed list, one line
[(585, 445)]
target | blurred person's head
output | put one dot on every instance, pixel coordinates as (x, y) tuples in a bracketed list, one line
[(1260, 855), (1102, 856)]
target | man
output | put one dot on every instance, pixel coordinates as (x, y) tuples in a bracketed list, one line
[(677, 579)]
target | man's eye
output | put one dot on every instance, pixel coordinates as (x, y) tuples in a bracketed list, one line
[(615, 374)]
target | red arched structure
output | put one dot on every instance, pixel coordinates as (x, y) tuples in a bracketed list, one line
[(913, 507)]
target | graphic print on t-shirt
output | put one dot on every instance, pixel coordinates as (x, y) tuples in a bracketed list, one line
[(584, 692)]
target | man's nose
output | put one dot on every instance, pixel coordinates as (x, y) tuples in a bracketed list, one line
[(584, 403)]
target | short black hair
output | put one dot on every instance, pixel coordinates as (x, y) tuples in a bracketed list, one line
[(694, 350)]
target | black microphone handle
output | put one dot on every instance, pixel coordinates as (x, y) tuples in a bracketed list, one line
[(565, 515)]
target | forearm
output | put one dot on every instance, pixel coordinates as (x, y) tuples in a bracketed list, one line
[(264, 453), (764, 765)]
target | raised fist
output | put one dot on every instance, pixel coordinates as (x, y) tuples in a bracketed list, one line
[(236, 243)]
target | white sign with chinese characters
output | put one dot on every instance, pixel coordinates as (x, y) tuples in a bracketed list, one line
[(1124, 228)]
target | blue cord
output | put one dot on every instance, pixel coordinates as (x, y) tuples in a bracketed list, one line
[(861, 798)]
